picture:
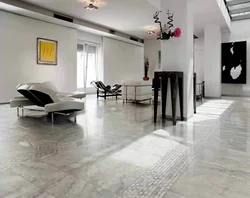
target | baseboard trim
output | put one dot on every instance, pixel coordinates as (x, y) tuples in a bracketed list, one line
[(178, 118), (240, 96), (4, 103), (207, 97)]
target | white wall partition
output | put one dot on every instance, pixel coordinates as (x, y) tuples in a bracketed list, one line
[(177, 53), (199, 59), (122, 61), (18, 54), (212, 57)]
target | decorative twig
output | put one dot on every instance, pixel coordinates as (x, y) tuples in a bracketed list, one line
[(167, 32), (170, 18), (156, 17)]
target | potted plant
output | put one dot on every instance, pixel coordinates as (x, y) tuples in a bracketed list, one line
[(166, 31)]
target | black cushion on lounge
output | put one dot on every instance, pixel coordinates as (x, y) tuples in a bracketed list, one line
[(108, 87), (30, 96), (46, 99)]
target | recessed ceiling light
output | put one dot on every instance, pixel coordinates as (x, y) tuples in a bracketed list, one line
[(91, 6), (150, 32)]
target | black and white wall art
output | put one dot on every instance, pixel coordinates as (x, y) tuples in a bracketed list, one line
[(234, 62)]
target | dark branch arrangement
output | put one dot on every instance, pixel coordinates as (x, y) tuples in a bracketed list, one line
[(170, 19), (166, 31), (157, 19)]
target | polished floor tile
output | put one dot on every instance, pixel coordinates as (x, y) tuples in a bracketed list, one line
[(116, 151), (39, 194), (172, 195), (70, 186), (38, 173), (12, 185)]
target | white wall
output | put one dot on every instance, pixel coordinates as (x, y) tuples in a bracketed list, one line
[(122, 61), (240, 31), (212, 57), (84, 36), (18, 54), (151, 49), (199, 59), (18, 37)]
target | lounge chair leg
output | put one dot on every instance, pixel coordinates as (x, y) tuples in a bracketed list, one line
[(52, 118), (17, 111), (75, 117)]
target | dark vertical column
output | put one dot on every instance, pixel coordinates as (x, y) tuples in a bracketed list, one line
[(126, 94), (164, 90), (194, 93), (156, 91), (203, 89), (174, 85), (181, 97)]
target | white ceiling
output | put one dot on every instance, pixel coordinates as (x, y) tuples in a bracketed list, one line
[(128, 16), (208, 12), (132, 17)]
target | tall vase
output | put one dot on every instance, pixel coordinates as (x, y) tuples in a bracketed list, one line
[(146, 78)]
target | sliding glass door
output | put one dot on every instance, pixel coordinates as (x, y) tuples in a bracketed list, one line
[(87, 65)]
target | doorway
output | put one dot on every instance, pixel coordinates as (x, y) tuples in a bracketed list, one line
[(87, 65)]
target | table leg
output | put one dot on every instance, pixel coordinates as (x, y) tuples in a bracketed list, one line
[(156, 91), (174, 85), (194, 94), (52, 118), (164, 89), (181, 97)]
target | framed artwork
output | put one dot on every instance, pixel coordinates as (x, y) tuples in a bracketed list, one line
[(234, 62), (46, 52)]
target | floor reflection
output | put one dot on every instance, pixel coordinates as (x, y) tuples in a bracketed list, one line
[(115, 150)]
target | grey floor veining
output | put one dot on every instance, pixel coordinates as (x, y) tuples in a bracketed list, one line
[(116, 151)]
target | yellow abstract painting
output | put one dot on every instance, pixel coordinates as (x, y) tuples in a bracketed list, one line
[(47, 51)]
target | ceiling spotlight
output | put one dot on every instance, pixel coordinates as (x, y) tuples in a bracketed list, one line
[(151, 32), (91, 6)]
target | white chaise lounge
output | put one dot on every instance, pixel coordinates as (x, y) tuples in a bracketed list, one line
[(42, 96), (75, 94)]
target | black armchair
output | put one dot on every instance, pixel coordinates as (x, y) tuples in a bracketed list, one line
[(106, 91)]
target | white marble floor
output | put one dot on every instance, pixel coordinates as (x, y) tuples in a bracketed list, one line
[(116, 151)]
